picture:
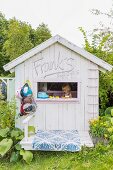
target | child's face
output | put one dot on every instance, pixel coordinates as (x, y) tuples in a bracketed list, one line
[(66, 89)]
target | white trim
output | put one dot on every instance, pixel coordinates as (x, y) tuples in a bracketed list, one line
[(7, 78), (55, 100), (4, 80), (28, 118), (26, 123), (57, 38), (86, 54)]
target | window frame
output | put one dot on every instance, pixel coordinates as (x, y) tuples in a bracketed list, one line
[(56, 100)]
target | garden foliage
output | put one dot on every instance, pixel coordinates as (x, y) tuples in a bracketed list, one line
[(17, 37), (10, 136), (102, 128), (99, 47), (7, 114)]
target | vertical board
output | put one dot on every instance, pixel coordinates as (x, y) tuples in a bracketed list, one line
[(19, 82), (60, 116), (65, 116), (40, 116), (11, 89), (93, 98), (83, 93), (71, 117), (28, 72), (51, 117)]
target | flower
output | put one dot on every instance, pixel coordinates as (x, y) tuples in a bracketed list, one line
[(110, 129), (105, 135), (93, 121)]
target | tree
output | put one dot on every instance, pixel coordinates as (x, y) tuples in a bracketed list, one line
[(101, 45), (104, 29), (18, 37), (18, 41), (42, 34), (21, 37), (3, 37)]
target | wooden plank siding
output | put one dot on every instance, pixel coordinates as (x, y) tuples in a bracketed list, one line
[(19, 81), (92, 93), (65, 115)]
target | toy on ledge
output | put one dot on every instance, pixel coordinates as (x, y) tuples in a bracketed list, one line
[(42, 95)]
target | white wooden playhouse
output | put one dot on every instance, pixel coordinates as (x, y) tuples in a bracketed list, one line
[(58, 61)]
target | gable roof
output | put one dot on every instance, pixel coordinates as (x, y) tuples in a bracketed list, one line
[(102, 64)]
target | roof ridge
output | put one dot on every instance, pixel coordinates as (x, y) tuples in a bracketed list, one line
[(66, 43)]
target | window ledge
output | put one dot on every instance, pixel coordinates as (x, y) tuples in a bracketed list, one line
[(58, 100)]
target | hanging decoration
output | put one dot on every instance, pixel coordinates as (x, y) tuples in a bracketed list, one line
[(28, 104)]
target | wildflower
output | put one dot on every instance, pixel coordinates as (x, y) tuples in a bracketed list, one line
[(110, 129), (105, 135)]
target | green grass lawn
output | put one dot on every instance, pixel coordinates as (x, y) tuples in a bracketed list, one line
[(99, 158)]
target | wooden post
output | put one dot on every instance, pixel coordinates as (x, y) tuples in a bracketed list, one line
[(26, 131), (26, 123)]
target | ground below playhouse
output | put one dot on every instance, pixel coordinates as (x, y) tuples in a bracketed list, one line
[(98, 158)]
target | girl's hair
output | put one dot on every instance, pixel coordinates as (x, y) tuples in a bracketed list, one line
[(66, 85)]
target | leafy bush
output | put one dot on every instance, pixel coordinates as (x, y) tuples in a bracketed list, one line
[(99, 46), (11, 136), (109, 111), (9, 140), (10, 147), (102, 128), (7, 114), (27, 155)]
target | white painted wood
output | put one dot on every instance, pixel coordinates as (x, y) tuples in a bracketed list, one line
[(56, 116), (83, 80), (90, 82), (85, 139), (26, 123), (56, 63), (51, 117), (71, 113), (60, 116), (10, 85), (80, 111), (35, 90), (64, 42), (19, 82), (40, 121), (65, 117), (26, 131), (70, 119), (28, 118), (78, 115), (11, 90), (50, 65), (59, 100), (93, 90)]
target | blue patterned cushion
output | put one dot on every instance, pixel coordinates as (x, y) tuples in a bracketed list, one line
[(57, 140)]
